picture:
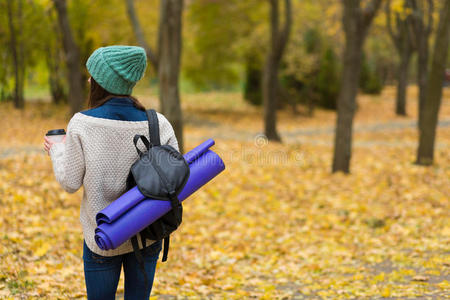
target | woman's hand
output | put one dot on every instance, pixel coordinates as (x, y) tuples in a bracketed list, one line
[(48, 143)]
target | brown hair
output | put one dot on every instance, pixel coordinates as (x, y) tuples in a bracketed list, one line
[(98, 96)]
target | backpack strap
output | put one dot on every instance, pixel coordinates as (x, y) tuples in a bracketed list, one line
[(174, 201), (155, 141), (153, 127), (138, 137), (166, 247), (139, 258)]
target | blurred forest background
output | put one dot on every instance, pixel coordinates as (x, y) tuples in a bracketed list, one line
[(290, 90)]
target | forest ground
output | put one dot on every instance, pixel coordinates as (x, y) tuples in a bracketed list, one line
[(275, 224)]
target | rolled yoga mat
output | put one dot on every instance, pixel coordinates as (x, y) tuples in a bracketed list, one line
[(132, 212), (134, 196)]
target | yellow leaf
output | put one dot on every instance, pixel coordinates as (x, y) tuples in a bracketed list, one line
[(420, 278), (42, 250), (386, 292)]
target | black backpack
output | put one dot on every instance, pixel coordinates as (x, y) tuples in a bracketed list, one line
[(160, 173)]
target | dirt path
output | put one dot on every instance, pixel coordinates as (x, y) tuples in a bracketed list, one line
[(306, 135), (303, 135)]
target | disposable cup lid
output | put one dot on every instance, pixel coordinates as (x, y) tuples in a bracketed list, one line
[(56, 132)]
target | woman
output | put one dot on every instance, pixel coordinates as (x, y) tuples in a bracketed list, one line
[(97, 153)]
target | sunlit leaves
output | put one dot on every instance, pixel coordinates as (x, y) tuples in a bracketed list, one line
[(275, 224)]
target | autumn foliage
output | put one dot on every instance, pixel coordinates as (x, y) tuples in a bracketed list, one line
[(275, 225)]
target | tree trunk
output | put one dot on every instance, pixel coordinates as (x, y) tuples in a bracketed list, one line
[(167, 62), (356, 23), (270, 76), (55, 62), (432, 102), (403, 39), (347, 104), (402, 83), (422, 12), (422, 70), (139, 33), (17, 52), (72, 54), (269, 99), (55, 76), (170, 44)]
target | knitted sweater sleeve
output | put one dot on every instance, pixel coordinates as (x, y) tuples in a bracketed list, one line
[(167, 128), (68, 159)]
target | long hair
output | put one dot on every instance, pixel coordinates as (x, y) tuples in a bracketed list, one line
[(98, 96)]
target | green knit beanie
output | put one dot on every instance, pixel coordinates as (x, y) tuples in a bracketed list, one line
[(117, 69)]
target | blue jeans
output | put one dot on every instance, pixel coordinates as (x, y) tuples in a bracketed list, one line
[(102, 273)]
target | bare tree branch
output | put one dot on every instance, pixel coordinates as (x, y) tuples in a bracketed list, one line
[(284, 35), (422, 25), (394, 35), (72, 53), (139, 33), (369, 11), (429, 26), (411, 27), (274, 16), (416, 16)]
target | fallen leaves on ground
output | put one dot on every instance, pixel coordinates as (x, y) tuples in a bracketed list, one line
[(275, 224)]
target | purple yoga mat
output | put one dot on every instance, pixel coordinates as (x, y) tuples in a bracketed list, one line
[(116, 227), (134, 196)]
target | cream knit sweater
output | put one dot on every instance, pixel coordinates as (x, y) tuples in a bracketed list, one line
[(97, 154)]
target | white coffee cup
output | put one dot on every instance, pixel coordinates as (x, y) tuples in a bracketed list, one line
[(56, 135)]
